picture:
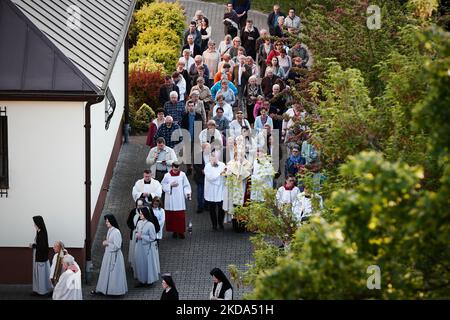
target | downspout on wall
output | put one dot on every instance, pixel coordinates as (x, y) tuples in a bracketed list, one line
[(88, 183), (126, 125)]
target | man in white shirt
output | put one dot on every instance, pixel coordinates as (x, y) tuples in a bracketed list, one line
[(211, 141), (292, 22), (237, 124), (214, 189), (160, 158), (146, 188), (227, 109), (180, 83), (187, 59)]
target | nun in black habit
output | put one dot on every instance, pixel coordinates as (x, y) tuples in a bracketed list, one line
[(41, 266), (222, 288)]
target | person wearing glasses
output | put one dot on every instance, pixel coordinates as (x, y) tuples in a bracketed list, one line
[(295, 162)]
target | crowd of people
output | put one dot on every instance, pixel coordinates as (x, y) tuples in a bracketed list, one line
[(226, 111)]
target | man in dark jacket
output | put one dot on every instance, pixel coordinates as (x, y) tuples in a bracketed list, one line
[(193, 47), (188, 122), (166, 89), (241, 7), (249, 35), (267, 82), (196, 35), (272, 19)]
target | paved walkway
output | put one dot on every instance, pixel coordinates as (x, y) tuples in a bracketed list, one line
[(214, 12)]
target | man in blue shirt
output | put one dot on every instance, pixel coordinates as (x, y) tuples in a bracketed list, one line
[(174, 108), (170, 132), (215, 88), (294, 162)]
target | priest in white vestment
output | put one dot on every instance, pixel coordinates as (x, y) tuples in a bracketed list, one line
[(56, 269), (237, 186), (146, 188), (262, 177), (177, 189), (214, 189), (69, 284)]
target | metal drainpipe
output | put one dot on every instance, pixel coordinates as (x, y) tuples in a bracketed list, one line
[(88, 182), (126, 126)]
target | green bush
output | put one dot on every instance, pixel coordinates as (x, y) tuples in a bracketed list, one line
[(156, 35), (161, 53), (142, 118), (160, 14)]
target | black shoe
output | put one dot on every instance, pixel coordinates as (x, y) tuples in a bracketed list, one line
[(215, 229), (199, 210), (174, 235), (93, 292), (221, 227), (140, 285), (181, 235)]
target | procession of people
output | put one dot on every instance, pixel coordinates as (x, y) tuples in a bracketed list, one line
[(224, 115)]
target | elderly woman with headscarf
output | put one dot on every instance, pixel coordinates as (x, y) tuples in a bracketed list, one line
[(41, 265)]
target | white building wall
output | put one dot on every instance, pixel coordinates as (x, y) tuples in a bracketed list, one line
[(46, 172), (103, 140)]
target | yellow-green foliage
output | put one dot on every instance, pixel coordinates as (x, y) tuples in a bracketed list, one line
[(161, 14), (143, 117), (159, 28), (161, 53), (158, 35)]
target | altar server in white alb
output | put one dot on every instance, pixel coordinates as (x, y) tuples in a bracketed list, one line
[(160, 214), (112, 279), (214, 189), (287, 193), (146, 188), (306, 204), (177, 189), (69, 284), (146, 251)]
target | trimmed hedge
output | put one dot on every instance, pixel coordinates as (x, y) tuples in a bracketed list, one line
[(144, 115), (156, 37)]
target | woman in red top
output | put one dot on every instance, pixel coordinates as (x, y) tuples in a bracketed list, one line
[(275, 52)]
